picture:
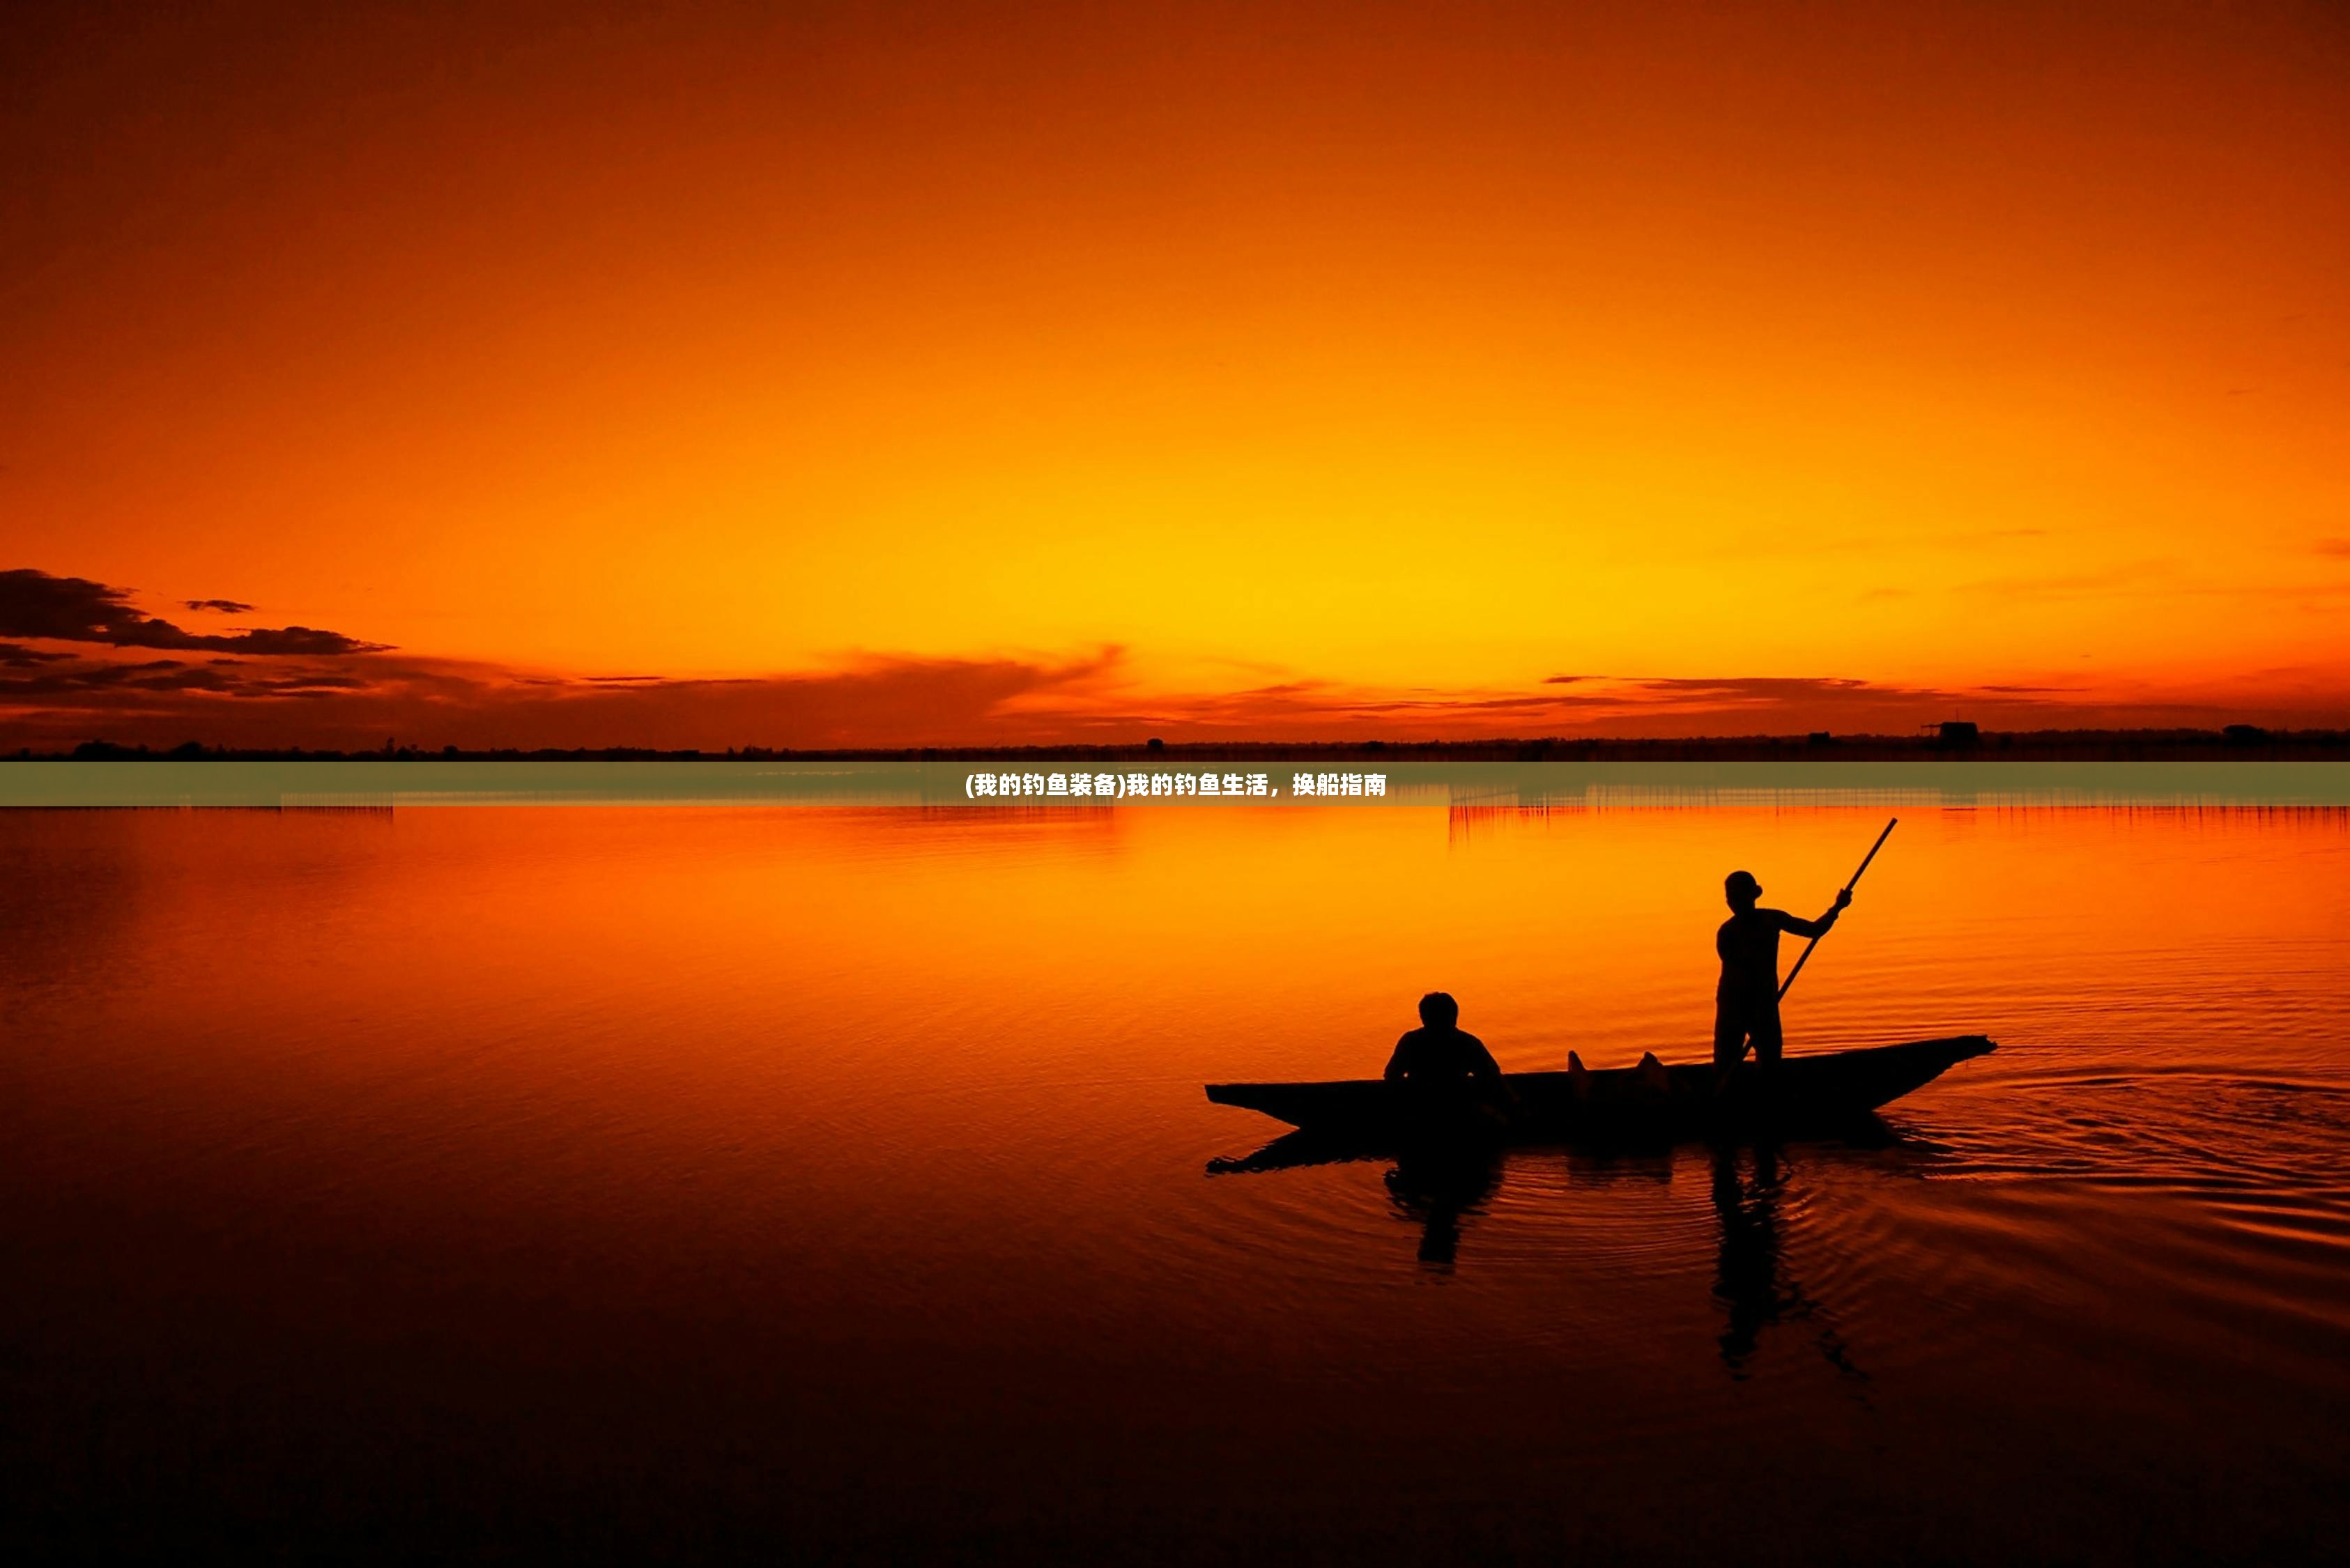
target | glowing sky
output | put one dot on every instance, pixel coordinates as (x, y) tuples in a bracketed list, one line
[(1308, 361)]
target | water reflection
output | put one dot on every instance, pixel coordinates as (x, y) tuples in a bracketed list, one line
[(1751, 1278), (425, 1178), (1291, 1151), (1439, 1187), (1752, 1190)]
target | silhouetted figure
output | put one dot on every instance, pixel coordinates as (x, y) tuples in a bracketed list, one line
[(1746, 1269), (1453, 1090), (1746, 1002), (1750, 1277), (1440, 1185), (1439, 1054)]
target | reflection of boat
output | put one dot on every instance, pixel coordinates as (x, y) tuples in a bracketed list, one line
[(1649, 1100), (1301, 1148)]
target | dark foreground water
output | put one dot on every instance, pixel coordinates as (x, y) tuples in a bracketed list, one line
[(814, 1184)]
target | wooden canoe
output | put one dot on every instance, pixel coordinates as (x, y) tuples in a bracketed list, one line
[(1646, 1100)]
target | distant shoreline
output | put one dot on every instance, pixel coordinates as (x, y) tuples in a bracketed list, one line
[(2241, 743)]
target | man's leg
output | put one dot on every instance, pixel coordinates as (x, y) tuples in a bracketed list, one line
[(1729, 1037), (1728, 1044), (1768, 1041)]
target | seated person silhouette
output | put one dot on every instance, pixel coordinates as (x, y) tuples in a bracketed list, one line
[(1746, 1002), (1441, 1062)]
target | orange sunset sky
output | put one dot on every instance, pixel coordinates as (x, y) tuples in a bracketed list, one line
[(812, 374)]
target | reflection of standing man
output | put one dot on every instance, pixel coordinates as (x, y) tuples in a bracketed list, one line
[(1749, 1281), (1746, 1002), (1746, 1269)]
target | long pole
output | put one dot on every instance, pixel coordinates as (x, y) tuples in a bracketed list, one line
[(1847, 887)]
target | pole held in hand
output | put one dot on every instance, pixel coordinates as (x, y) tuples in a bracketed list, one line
[(1847, 887)]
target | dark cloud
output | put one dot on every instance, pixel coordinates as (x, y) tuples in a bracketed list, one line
[(226, 606), (76, 609), (1752, 688), (280, 702), (16, 655), (48, 700), (90, 678)]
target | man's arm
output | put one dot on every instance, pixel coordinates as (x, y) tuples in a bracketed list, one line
[(1819, 927), (1481, 1065), (1396, 1064)]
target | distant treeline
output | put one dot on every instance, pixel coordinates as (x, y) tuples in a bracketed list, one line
[(1945, 741)]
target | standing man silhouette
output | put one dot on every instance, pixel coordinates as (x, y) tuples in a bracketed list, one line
[(1746, 1002)]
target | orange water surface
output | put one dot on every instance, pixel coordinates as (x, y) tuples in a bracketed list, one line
[(818, 1184)]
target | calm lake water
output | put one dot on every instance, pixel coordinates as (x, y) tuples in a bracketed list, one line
[(815, 1183)]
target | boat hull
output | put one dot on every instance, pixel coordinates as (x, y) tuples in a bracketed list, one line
[(1799, 1092)]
